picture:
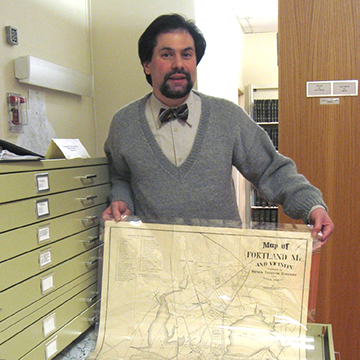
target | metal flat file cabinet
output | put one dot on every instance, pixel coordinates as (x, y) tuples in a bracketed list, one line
[(50, 213)]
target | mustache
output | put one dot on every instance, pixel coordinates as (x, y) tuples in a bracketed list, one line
[(177, 72)]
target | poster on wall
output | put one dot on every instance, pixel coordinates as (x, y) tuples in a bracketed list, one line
[(38, 132)]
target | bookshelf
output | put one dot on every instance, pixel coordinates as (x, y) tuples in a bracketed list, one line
[(261, 102)]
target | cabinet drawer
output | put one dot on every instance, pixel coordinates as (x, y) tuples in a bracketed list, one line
[(40, 286), (27, 238), (34, 262), (30, 184), (48, 349), (23, 342), (25, 212), (22, 319)]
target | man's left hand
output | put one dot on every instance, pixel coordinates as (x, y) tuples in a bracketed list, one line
[(322, 225)]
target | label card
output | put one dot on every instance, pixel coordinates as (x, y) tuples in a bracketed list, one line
[(343, 88), (47, 283), (42, 182), (49, 325), (43, 233), (45, 258), (319, 88), (42, 208), (330, 101), (51, 348)]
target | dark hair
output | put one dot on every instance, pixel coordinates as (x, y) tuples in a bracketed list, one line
[(165, 24)]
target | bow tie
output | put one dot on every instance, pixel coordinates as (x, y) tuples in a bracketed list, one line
[(181, 112)]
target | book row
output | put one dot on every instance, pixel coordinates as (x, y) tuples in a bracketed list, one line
[(265, 215), (258, 200), (266, 110), (274, 135)]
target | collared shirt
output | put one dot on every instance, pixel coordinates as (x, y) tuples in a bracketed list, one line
[(176, 137)]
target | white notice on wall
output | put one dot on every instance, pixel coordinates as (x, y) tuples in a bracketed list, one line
[(38, 132)]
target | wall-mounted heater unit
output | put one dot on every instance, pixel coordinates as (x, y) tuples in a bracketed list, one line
[(33, 71)]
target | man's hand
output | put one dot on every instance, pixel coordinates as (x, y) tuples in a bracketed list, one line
[(322, 225), (117, 211)]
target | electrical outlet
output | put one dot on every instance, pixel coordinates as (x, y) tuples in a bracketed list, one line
[(11, 35)]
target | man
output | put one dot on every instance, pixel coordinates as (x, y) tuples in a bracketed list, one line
[(178, 163)]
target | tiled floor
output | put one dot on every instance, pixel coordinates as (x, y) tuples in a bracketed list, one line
[(81, 348)]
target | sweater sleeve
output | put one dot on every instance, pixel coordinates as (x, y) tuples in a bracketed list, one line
[(274, 175)]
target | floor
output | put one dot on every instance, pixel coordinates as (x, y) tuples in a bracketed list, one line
[(81, 348)]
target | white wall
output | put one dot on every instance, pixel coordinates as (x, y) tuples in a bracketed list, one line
[(220, 71), (260, 59), (59, 32)]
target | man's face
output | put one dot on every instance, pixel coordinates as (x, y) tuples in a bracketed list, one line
[(173, 67)]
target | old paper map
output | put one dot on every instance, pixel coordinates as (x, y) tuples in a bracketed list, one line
[(189, 292)]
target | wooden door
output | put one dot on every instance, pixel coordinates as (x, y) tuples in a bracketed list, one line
[(319, 40)]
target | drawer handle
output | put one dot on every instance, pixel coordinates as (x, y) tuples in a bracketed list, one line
[(91, 239), (93, 319), (88, 198), (87, 177), (92, 298), (91, 263), (90, 219)]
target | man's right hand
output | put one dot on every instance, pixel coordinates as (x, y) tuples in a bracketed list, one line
[(117, 211)]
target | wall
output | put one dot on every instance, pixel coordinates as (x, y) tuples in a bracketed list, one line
[(116, 28), (220, 71), (59, 32), (260, 59)]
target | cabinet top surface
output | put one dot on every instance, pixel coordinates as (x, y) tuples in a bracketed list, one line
[(21, 166)]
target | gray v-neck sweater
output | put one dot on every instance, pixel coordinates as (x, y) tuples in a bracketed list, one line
[(202, 187)]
